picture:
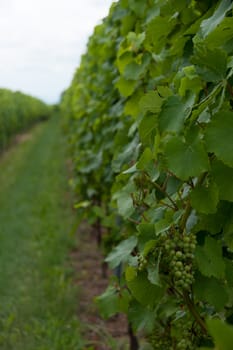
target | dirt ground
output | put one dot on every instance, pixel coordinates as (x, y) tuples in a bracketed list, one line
[(87, 259)]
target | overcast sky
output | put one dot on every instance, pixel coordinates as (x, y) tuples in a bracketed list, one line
[(41, 42)]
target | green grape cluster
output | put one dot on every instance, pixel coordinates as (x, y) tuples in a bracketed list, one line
[(177, 335), (184, 344), (160, 341), (179, 252), (142, 262), (184, 337)]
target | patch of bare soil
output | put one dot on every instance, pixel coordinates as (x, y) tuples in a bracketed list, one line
[(87, 259), (22, 137)]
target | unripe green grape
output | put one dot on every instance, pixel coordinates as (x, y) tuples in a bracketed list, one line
[(188, 275), (187, 267), (178, 274), (179, 264), (192, 246), (186, 239), (179, 254), (142, 262), (186, 285), (172, 252)]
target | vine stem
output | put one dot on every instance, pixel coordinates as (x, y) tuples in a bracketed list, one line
[(134, 221), (158, 187), (194, 312)]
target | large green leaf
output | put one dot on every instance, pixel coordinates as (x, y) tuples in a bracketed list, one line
[(153, 272), (151, 102), (108, 302), (222, 334), (212, 63), (223, 176), (211, 290), (157, 32), (222, 34), (146, 233), (214, 223), (212, 22), (121, 252), (147, 128), (132, 105), (204, 198), (126, 87), (209, 258), (219, 137), (135, 40), (124, 200), (186, 159), (134, 70), (145, 292), (172, 115), (137, 6), (146, 163), (228, 229), (141, 318)]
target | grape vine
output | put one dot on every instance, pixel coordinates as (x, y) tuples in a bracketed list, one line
[(149, 120), (18, 112)]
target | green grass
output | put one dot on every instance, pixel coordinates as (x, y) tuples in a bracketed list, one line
[(37, 297)]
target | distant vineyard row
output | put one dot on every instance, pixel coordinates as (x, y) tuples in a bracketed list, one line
[(150, 123), (17, 112)]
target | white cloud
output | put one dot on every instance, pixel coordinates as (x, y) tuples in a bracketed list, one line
[(42, 40)]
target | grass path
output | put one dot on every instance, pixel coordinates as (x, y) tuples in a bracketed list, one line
[(37, 298)]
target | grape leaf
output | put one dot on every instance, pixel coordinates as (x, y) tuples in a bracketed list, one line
[(209, 258), (157, 32), (151, 102), (205, 198), (228, 230), (229, 272), (131, 106), (147, 127), (214, 223), (211, 63), (137, 6), (221, 34), (126, 87), (121, 252), (222, 334), (172, 115), (146, 232), (141, 318), (210, 290), (145, 292), (130, 273), (223, 176), (185, 159), (218, 136), (108, 302), (147, 164), (127, 24), (124, 200), (208, 25), (135, 70), (136, 40), (153, 272), (113, 301)]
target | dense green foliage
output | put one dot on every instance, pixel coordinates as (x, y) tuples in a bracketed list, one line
[(150, 124), (17, 112), (38, 299)]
